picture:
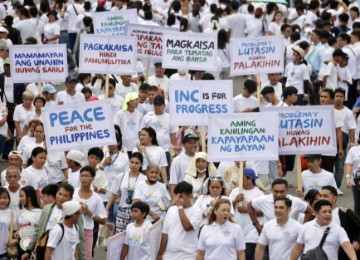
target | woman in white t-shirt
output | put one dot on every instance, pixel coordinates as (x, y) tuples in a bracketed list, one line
[(275, 26), (38, 142), (221, 238), (29, 215), (213, 190), (154, 193), (198, 171), (51, 29), (152, 152), (21, 112), (124, 186), (5, 221), (39, 102), (29, 138)]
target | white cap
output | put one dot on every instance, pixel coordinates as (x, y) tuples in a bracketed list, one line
[(76, 156), (70, 208)]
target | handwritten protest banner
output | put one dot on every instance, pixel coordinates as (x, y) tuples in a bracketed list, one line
[(107, 54), (113, 23), (306, 130), (114, 246), (194, 51), (249, 136), (77, 126), (191, 101), (38, 63), (257, 55), (149, 39)]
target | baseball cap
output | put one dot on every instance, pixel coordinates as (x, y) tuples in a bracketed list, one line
[(157, 62), (159, 100), (49, 88), (189, 137), (15, 153), (70, 78), (70, 207), (76, 156), (313, 156)]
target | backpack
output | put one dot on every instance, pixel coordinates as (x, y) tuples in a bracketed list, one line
[(41, 242), (317, 253)]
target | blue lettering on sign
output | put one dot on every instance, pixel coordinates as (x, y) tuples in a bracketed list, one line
[(66, 118), (181, 95)]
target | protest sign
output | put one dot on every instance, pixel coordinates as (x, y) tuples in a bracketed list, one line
[(107, 54), (113, 23), (194, 51), (149, 39), (242, 137), (191, 101), (114, 246), (306, 130), (260, 55), (77, 126), (38, 63)]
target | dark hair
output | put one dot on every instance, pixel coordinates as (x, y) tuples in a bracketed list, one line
[(294, 36), (279, 182), (88, 168), (329, 91), (30, 194), (314, 4), (9, 20), (97, 152), (332, 40), (287, 201), (284, 27), (148, 15), (144, 87), (234, 5), (250, 85), (343, 17), (304, 45), (39, 97), (87, 6), (356, 34), (25, 12), (81, 76), (208, 76), (250, 8), (152, 134), (34, 153), (117, 129), (345, 37), (184, 23), (276, 13), (330, 188), (321, 203), (142, 206), (222, 39), (222, 187), (355, 9), (153, 88), (68, 187), (118, 137), (50, 189), (311, 195), (300, 7), (340, 90), (183, 187), (176, 6), (33, 11), (212, 217), (138, 156), (356, 25), (171, 20), (86, 90), (4, 190)]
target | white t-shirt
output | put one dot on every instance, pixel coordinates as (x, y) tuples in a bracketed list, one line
[(332, 74), (221, 241), (116, 103), (57, 163), (196, 183), (67, 246), (243, 219), (161, 124), (156, 155), (14, 200), (55, 217), (28, 150), (122, 90), (122, 184), (63, 96), (281, 239), (348, 119), (95, 205), (34, 177), (24, 142), (163, 83), (275, 28), (278, 91), (20, 115), (74, 178), (310, 19), (27, 28), (241, 103), (353, 158), (152, 194), (203, 203), (5, 217), (129, 124), (344, 74), (265, 204), (27, 221), (4, 127), (317, 180), (237, 24), (138, 240), (50, 30), (74, 10), (178, 168), (181, 244), (296, 74), (311, 234), (9, 89)]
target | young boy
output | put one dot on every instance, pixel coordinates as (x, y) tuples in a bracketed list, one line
[(137, 239), (100, 183), (274, 81), (245, 102), (345, 77)]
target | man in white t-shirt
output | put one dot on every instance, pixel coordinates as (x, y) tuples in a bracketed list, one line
[(274, 81), (181, 225), (265, 204), (236, 22), (280, 234), (312, 232), (69, 95), (245, 102), (159, 79), (272, 100), (26, 26), (126, 86), (64, 238), (181, 162), (315, 177)]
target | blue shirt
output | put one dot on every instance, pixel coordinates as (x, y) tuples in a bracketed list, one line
[(315, 57)]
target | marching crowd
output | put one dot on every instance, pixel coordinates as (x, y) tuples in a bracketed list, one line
[(157, 172)]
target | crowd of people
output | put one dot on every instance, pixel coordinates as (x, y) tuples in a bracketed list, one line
[(158, 172)]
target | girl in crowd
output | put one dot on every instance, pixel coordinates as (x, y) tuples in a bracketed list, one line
[(152, 152), (5, 220), (39, 102), (275, 25), (221, 238), (153, 193), (124, 185), (198, 171), (39, 142), (21, 112), (213, 190), (29, 215)]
